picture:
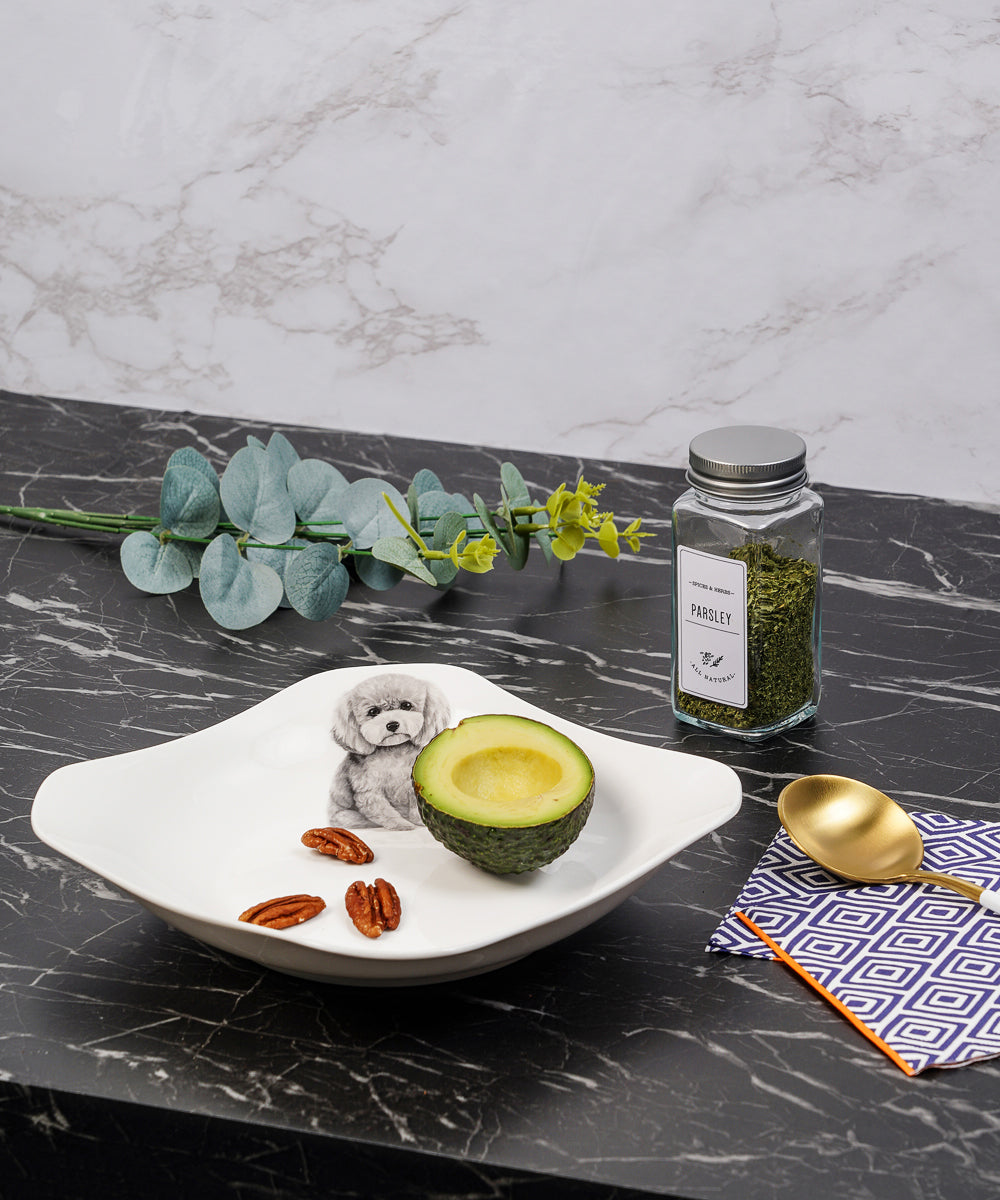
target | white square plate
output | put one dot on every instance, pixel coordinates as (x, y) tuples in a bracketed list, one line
[(201, 828)]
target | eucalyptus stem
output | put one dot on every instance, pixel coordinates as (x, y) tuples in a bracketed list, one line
[(270, 491), (74, 519), (54, 514), (100, 522)]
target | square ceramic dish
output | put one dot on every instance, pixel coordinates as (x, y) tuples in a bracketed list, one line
[(200, 828)]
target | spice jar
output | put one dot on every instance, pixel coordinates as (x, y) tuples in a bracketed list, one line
[(747, 557)]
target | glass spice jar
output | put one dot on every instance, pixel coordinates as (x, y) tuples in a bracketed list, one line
[(747, 561)]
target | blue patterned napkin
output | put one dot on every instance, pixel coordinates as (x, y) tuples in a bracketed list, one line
[(916, 968)]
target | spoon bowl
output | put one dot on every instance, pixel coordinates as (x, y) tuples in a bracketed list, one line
[(858, 833)]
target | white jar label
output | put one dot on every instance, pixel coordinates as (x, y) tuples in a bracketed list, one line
[(712, 627)]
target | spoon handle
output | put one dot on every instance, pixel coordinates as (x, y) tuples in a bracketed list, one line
[(971, 891)]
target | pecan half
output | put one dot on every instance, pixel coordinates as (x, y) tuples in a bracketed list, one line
[(284, 911), (340, 843), (373, 907), (388, 903)]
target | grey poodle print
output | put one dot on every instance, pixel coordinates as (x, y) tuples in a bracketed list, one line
[(383, 724)]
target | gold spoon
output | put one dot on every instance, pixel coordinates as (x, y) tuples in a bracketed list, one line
[(860, 834)]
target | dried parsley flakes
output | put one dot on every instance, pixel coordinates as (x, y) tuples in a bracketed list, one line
[(781, 605)]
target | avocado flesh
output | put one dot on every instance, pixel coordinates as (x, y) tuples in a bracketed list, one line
[(508, 793)]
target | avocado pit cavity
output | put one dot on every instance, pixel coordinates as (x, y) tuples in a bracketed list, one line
[(507, 793)]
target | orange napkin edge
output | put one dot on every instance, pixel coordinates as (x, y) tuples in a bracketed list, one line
[(787, 959)]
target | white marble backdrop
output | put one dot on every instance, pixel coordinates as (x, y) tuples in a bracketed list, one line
[(558, 224)]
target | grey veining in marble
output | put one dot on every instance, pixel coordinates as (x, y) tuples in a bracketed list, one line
[(624, 1060), (618, 226)]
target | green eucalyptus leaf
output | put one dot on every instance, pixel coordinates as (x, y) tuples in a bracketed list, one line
[(255, 443), (447, 529), (317, 581), (192, 551), (501, 536), (189, 504), (544, 539), (513, 494), (445, 573), (279, 559), (485, 516), (315, 487), (521, 544), (283, 454), (436, 504), (402, 553), (366, 515), (517, 544), (256, 499), (187, 456), (237, 593), (379, 576), (426, 481), (512, 482), (413, 505), (154, 566)]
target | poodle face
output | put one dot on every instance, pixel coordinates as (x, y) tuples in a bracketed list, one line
[(397, 722), (389, 710)]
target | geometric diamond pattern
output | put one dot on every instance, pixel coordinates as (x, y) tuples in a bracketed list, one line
[(915, 967)]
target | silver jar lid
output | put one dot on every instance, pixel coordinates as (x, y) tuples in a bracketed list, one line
[(747, 460)]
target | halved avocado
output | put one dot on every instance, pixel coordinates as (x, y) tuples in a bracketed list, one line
[(507, 793)]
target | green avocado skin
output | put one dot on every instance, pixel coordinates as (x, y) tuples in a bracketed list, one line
[(506, 851)]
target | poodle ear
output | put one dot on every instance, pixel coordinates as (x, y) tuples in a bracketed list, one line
[(437, 714), (345, 730)]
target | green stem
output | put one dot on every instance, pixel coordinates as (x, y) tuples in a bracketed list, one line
[(72, 519), (56, 514), (100, 522)]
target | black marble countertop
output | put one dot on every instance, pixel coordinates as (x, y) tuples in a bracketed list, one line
[(622, 1061)]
